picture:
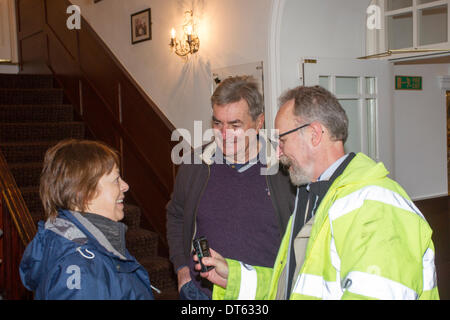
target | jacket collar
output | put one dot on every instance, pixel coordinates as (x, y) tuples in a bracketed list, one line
[(74, 227), (361, 169), (354, 171), (66, 229), (271, 159)]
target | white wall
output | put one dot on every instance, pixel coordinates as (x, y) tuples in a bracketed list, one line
[(5, 34), (421, 133), (230, 33), (417, 136), (8, 37)]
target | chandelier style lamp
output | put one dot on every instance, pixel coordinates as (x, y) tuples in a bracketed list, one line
[(189, 43)]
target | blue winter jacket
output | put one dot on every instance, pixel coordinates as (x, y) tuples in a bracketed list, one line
[(70, 258)]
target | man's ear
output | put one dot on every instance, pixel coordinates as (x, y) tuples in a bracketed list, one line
[(317, 133), (260, 122)]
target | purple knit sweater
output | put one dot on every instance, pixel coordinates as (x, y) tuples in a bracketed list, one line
[(236, 215)]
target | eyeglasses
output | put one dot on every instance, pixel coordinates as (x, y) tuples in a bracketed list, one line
[(293, 130)]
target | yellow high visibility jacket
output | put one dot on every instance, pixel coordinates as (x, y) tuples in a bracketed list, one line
[(368, 241)]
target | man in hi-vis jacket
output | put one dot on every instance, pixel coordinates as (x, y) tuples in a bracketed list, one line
[(362, 236)]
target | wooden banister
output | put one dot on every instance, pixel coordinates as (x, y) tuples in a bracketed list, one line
[(17, 229), (15, 204)]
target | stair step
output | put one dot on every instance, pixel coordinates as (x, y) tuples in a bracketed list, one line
[(10, 132), (25, 151), (26, 174), (142, 243), (33, 202), (26, 81), (161, 273), (32, 199), (132, 216), (37, 216), (36, 113), (31, 96)]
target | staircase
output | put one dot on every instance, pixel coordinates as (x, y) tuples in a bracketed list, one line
[(34, 117)]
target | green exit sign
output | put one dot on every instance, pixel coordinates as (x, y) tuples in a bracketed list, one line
[(408, 83)]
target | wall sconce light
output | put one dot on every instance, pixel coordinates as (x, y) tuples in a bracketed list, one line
[(189, 42)]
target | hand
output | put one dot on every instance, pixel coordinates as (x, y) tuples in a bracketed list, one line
[(218, 275), (183, 276)]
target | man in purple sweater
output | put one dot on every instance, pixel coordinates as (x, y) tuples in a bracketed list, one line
[(230, 194)]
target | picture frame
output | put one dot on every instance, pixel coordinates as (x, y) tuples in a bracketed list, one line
[(141, 26)]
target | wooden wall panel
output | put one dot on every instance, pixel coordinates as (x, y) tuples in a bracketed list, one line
[(145, 189), (56, 20), (65, 68), (3, 275), (94, 113), (153, 140), (31, 17), (99, 68), (33, 56)]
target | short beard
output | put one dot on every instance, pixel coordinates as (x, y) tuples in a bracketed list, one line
[(297, 174)]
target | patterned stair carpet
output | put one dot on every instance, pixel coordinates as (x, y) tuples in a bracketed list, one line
[(33, 117)]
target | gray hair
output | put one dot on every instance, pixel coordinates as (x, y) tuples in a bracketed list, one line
[(234, 89), (318, 104)]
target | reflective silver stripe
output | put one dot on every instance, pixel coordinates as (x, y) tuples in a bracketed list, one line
[(429, 270), (310, 285), (249, 282), (336, 263), (375, 286), (356, 199), (335, 260), (315, 286)]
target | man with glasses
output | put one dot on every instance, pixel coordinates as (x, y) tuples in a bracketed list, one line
[(230, 193), (356, 235)]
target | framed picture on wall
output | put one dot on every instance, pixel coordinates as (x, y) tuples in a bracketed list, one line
[(141, 26)]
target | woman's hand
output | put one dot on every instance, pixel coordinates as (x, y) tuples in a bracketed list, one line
[(218, 275)]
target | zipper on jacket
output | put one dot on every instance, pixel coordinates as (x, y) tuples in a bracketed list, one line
[(196, 208)]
